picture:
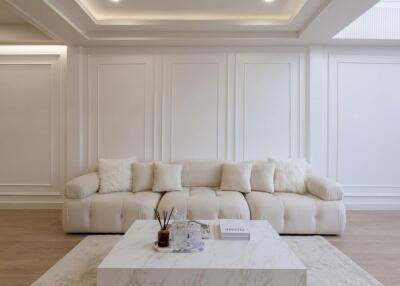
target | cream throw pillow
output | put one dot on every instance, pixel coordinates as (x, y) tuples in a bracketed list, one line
[(167, 177), (142, 176), (115, 175), (236, 177), (262, 177), (290, 175)]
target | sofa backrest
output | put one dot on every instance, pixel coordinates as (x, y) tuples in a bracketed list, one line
[(201, 173)]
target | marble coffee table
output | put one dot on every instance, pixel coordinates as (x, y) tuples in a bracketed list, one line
[(264, 260)]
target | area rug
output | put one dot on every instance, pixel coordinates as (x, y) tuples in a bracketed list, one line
[(327, 266)]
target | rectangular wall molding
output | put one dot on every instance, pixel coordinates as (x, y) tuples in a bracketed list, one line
[(32, 127), (360, 123), (192, 105), (120, 107), (269, 106)]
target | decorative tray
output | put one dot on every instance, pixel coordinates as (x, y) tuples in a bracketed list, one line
[(169, 249)]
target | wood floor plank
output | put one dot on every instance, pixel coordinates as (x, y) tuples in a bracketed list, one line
[(372, 240), (31, 241)]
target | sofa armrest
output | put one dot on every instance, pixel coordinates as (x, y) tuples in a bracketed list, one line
[(324, 188), (82, 187)]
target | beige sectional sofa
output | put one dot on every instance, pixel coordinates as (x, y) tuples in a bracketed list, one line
[(319, 211)]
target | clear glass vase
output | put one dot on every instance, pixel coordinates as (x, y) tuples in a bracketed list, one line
[(179, 233)]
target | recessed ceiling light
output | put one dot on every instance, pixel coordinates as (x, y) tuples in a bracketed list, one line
[(268, 1), (115, 1)]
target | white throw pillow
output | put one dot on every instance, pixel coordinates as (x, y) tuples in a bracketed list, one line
[(236, 177), (115, 175), (142, 176), (290, 175), (167, 177), (262, 177)]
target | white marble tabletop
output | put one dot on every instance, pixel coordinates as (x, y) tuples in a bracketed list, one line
[(265, 260)]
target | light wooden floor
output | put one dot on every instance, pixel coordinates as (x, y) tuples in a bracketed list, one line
[(372, 240), (31, 241)]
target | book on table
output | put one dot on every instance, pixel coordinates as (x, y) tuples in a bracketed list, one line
[(234, 229)]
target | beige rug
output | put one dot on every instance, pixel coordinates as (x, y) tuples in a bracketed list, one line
[(327, 266)]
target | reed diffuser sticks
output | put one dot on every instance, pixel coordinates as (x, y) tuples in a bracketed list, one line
[(165, 220)]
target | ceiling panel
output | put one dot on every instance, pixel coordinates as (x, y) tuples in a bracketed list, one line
[(191, 22), (7, 16), (381, 22), (191, 9)]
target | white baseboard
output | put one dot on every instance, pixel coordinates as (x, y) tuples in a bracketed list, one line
[(30, 205), (372, 206), (31, 201), (372, 202)]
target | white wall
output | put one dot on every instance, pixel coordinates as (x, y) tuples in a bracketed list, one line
[(334, 106), (31, 126), (354, 114), (337, 107), (171, 105)]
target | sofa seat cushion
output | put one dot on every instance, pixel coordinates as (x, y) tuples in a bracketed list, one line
[(206, 203), (177, 199), (291, 213), (108, 213)]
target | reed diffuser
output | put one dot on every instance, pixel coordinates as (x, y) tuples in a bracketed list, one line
[(163, 234)]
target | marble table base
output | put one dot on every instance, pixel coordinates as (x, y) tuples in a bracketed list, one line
[(264, 260), (196, 277)]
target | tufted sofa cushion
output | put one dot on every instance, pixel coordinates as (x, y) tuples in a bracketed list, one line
[(108, 213), (292, 213), (207, 203)]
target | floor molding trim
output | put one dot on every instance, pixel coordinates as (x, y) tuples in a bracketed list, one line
[(30, 205), (373, 206), (375, 202)]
